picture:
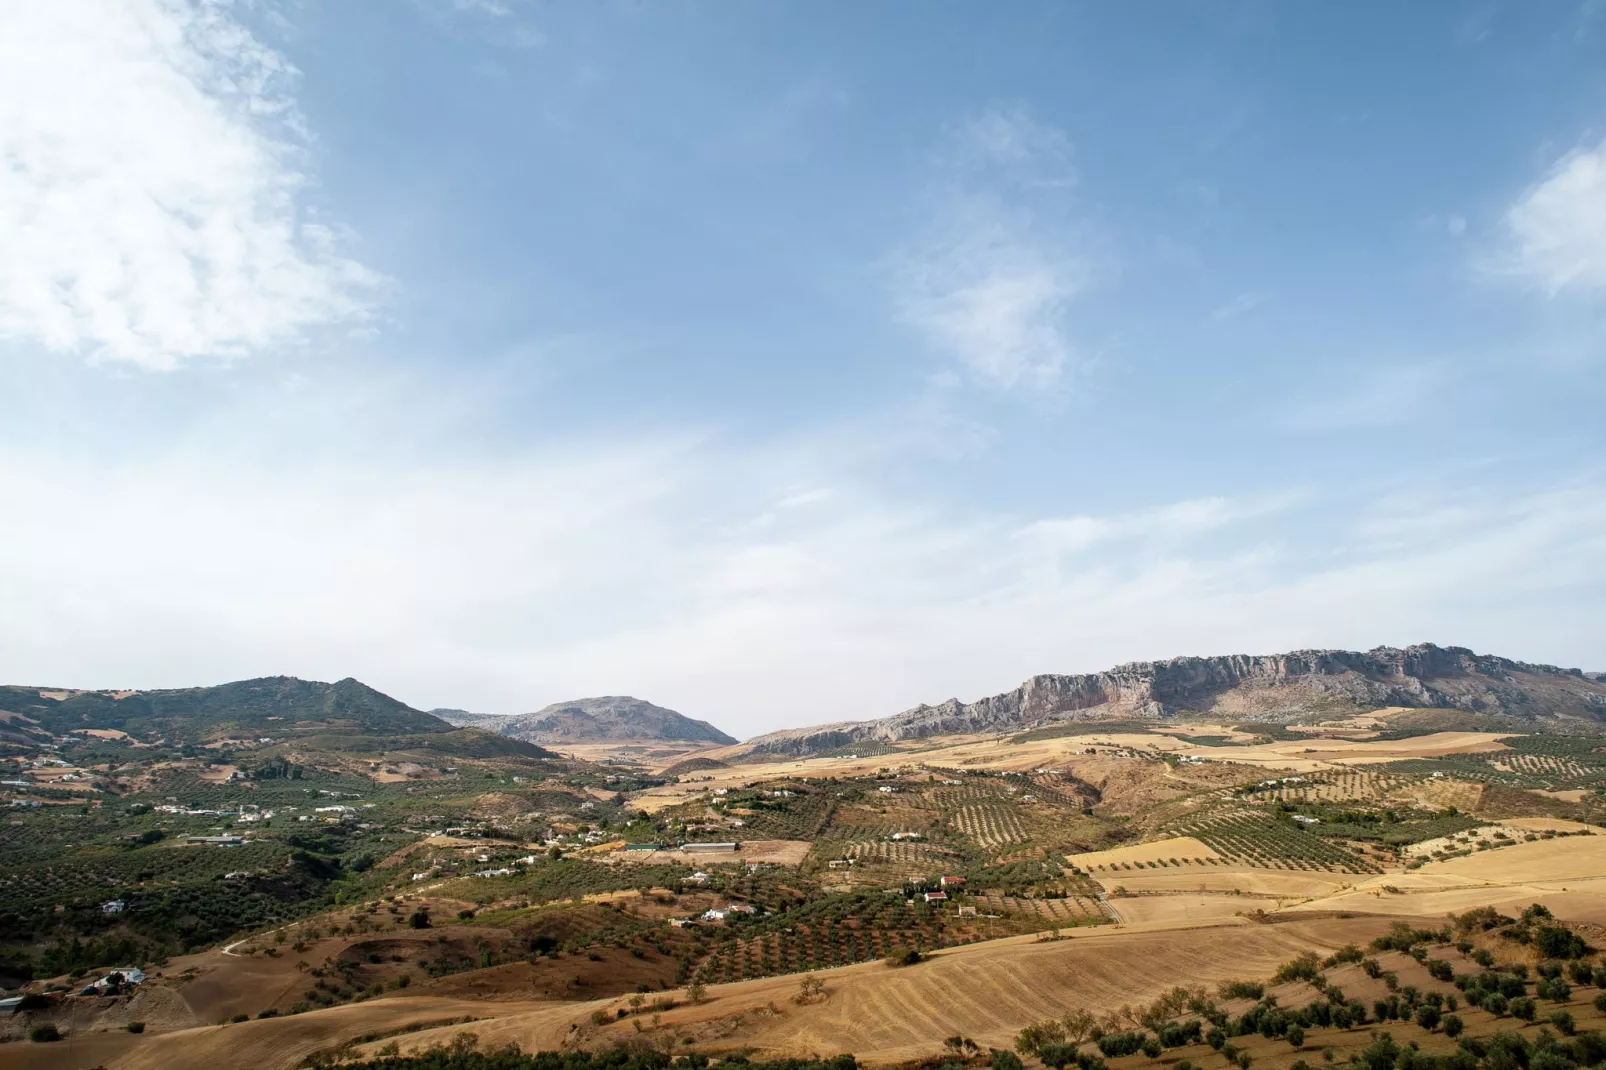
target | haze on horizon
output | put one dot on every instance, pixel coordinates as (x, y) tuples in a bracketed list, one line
[(784, 363)]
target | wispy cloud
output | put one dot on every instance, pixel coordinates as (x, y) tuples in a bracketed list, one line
[(702, 576), (1557, 228), (994, 271), (1241, 305), (1368, 398), (152, 200)]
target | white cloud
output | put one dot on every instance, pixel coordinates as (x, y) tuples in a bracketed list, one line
[(1557, 229), (993, 274), (1241, 305), (151, 189), (772, 585)]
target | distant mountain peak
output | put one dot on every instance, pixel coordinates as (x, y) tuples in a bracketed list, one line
[(603, 719)]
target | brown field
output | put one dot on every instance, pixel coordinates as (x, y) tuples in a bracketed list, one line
[(1178, 847), (1247, 880), (985, 991)]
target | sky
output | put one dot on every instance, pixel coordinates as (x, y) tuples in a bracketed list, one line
[(792, 362)]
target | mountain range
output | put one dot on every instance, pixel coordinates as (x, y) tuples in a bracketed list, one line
[(1274, 687)]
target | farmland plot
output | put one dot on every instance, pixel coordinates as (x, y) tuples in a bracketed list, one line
[(992, 824), (1261, 840)]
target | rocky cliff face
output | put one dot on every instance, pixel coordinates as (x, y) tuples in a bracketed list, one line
[(1244, 687)]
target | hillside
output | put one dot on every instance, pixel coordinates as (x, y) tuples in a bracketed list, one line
[(1276, 687), (608, 718), (267, 705)]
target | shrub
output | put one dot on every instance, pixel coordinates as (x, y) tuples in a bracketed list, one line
[(1115, 1045), (135, 1027), (1440, 970), (44, 1034), (1241, 990), (1006, 1060), (240, 1018), (1057, 1056), (1600, 1002), (1554, 942), (1452, 1025), (419, 919), (1523, 1007), (1563, 1021), (903, 956), (1296, 1036)]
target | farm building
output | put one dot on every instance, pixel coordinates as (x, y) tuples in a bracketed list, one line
[(707, 848), (936, 897), (644, 847), (115, 981), (952, 882)]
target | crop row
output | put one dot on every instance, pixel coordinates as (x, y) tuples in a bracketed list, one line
[(1258, 838)]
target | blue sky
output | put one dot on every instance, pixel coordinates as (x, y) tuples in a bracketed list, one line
[(784, 363)]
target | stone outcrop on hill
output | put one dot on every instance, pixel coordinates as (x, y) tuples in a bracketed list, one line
[(1240, 687)]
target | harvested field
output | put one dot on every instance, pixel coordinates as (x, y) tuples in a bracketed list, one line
[(1175, 849), (1291, 884), (985, 991), (1143, 909)]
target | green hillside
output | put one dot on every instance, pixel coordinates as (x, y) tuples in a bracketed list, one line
[(266, 706)]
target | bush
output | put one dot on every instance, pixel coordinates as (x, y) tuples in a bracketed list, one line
[(903, 956), (419, 919), (135, 1027), (1452, 1025), (44, 1034), (1554, 942), (1440, 970), (1523, 1007), (1057, 1056), (1241, 990), (1563, 1021), (1600, 1002), (1006, 1060), (1296, 1036), (1115, 1045)]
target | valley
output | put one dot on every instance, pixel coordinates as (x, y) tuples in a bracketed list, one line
[(300, 888)]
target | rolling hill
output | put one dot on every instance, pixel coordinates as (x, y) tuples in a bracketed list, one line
[(268, 706), (1276, 687), (595, 720)]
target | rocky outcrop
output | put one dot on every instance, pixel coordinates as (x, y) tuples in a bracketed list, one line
[(1244, 687)]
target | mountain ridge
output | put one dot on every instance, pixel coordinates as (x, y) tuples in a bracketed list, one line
[(601, 719), (264, 704), (1241, 686)]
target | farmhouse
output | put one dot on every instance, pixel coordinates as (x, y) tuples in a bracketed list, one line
[(115, 981), (936, 897)]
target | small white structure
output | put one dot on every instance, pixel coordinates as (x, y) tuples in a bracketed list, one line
[(112, 906), (115, 981)]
